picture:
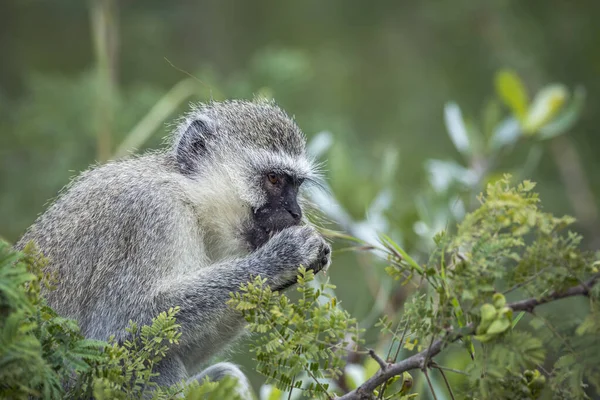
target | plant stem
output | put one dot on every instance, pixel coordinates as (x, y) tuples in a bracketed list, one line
[(105, 37)]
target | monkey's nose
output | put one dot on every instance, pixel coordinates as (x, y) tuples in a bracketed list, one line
[(294, 210)]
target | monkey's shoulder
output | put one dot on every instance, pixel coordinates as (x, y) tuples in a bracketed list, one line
[(134, 193), (142, 180), (121, 206)]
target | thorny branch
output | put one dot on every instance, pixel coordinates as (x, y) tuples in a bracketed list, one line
[(423, 359)]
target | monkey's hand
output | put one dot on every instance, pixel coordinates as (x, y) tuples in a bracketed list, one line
[(290, 248)]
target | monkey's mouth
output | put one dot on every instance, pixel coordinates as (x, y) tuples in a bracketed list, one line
[(257, 236), (265, 223)]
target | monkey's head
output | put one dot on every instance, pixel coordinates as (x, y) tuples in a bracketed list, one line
[(245, 164)]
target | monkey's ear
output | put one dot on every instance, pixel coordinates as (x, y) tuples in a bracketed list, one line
[(192, 144)]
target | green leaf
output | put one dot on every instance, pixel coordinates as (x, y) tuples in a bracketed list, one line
[(488, 312), (387, 240), (567, 119), (484, 338), (545, 107), (518, 318), (512, 92), (498, 326), (468, 343), (499, 300)]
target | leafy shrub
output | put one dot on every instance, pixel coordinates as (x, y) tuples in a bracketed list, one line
[(507, 246), (44, 355)]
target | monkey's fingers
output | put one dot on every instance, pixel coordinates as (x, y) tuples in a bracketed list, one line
[(322, 260)]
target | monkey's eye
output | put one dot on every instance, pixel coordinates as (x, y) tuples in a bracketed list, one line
[(273, 178)]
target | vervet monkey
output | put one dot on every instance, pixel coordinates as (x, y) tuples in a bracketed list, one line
[(184, 227)]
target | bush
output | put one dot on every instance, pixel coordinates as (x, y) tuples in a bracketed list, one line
[(505, 247), (44, 355)]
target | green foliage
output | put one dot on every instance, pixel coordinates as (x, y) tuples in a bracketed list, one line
[(310, 335), (44, 355), (38, 349), (507, 244), (495, 319), (508, 385), (126, 371), (547, 115), (512, 92)]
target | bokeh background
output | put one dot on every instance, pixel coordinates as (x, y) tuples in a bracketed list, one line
[(403, 101)]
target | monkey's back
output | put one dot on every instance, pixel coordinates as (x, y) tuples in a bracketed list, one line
[(114, 228)]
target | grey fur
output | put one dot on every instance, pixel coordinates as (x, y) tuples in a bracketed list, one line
[(132, 238)]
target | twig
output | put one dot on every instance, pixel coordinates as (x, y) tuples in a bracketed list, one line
[(417, 361), (382, 391), (525, 282), (579, 290), (456, 371), (292, 387), (319, 384), (582, 283), (375, 357), (429, 383), (557, 334), (384, 386), (401, 342), (190, 75), (447, 383), (428, 355), (413, 362)]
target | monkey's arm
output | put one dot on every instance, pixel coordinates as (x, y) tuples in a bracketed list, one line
[(278, 260), (202, 294)]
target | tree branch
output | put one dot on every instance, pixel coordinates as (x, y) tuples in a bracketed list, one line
[(579, 290), (417, 361)]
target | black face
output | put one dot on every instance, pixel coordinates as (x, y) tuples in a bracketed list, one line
[(279, 212)]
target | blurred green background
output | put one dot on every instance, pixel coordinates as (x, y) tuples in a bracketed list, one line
[(78, 78)]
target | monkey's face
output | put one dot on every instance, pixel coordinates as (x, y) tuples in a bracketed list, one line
[(280, 210)]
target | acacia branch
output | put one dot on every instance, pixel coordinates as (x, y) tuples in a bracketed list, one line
[(579, 290), (422, 359)]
